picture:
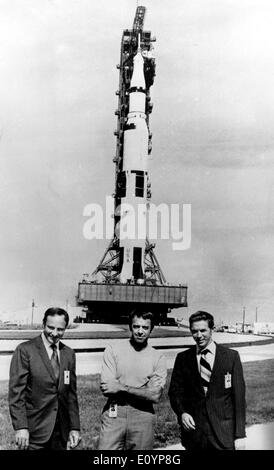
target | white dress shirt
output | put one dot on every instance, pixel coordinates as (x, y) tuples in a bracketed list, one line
[(210, 356), (49, 348)]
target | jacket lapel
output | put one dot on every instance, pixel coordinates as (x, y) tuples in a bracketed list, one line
[(216, 366), (62, 363), (45, 358), (194, 367)]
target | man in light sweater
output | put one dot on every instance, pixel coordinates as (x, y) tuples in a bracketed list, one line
[(133, 377)]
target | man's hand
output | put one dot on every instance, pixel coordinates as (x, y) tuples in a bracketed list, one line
[(155, 389), (188, 422), (239, 444), (73, 439), (22, 438), (155, 382), (111, 387)]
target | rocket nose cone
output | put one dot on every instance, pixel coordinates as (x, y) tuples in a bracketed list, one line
[(138, 57)]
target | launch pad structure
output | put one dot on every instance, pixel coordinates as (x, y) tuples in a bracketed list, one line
[(129, 276)]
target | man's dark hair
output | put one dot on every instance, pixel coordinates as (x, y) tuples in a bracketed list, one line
[(201, 315), (52, 311), (141, 314)]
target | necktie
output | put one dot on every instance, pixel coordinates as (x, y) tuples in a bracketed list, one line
[(205, 370), (55, 361)]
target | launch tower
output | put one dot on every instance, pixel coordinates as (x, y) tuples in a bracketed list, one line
[(129, 275)]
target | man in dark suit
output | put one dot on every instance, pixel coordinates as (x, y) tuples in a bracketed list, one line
[(207, 391), (42, 389)]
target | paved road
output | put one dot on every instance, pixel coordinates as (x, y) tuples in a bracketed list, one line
[(258, 437), (180, 341), (90, 363)]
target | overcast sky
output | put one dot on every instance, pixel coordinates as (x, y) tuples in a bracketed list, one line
[(213, 145)]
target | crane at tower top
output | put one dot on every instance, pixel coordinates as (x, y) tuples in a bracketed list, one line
[(139, 18)]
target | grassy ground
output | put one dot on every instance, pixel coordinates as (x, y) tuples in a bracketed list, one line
[(259, 377)]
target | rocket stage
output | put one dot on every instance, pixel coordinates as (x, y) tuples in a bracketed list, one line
[(129, 276)]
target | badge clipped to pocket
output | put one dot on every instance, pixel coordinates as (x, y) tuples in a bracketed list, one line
[(66, 377), (112, 412), (228, 380)]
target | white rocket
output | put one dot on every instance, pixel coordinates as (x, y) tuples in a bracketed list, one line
[(133, 205)]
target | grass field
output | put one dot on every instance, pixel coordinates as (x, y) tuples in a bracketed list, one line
[(259, 377)]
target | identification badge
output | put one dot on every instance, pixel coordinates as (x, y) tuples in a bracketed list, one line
[(112, 412), (228, 380), (66, 377)]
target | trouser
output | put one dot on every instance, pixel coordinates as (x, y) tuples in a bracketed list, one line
[(55, 441), (132, 429)]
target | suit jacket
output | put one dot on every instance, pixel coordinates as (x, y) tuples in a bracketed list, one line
[(34, 394), (225, 406)]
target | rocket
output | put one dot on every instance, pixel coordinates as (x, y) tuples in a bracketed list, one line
[(136, 141)]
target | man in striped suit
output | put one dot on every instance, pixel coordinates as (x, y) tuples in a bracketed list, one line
[(207, 391)]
